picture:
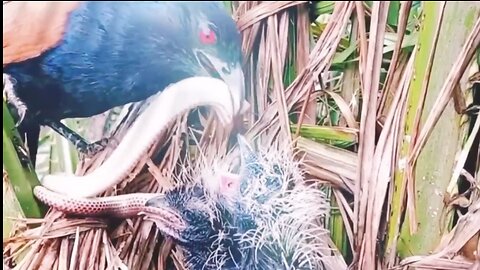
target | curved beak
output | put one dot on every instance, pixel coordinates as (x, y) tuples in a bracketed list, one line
[(236, 82), (232, 75)]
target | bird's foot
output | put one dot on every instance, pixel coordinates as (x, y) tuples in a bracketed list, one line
[(85, 149), (12, 100), (92, 149), (22, 153)]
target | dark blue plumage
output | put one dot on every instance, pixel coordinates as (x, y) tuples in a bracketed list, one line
[(114, 53)]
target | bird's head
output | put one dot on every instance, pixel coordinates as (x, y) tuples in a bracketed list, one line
[(274, 221), (219, 51), (203, 40), (184, 213)]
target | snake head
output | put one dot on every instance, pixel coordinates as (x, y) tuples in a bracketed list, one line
[(185, 213)]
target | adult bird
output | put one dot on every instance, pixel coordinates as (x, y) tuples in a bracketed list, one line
[(79, 59)]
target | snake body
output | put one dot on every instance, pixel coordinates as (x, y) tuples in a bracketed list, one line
[(120, 206), (165, 106)]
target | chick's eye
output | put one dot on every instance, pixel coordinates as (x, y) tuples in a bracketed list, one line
[(208, 37)]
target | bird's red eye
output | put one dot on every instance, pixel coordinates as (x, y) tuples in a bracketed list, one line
[(208, 37)]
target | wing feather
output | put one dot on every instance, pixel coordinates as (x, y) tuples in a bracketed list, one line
[(30, 28)]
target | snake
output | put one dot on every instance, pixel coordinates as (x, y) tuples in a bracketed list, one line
[(119, 206), (142, 135)]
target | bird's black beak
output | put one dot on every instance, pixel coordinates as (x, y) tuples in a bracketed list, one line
[(250, 164), (168, 220), (231, 74), (248, 157)]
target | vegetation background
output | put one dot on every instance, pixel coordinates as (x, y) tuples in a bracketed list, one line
[(380, 98)]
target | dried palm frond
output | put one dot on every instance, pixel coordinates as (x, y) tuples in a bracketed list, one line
[(371, 182)]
